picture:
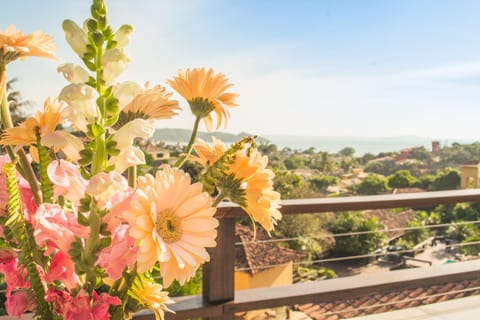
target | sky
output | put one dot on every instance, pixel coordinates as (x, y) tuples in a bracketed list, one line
[(377, 68)]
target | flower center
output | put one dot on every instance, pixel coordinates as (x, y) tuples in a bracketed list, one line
[(168, 226)]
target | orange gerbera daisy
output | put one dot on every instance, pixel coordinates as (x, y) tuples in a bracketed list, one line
[(151, 295), (205, 92), (173, 222), (154, 103), (262, 202), (25, 133), (14, 44)]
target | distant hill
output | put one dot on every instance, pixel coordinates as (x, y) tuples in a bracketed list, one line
[(183, 135)]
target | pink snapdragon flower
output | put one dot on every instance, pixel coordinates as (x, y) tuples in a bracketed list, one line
[(111, 191), (80, 306), (62, 269), (55, 228), (19, 302), (67, 180), (14, 275), (120, 254)]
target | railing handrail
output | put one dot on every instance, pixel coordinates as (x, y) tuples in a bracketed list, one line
[(220, 301), (384, 201)]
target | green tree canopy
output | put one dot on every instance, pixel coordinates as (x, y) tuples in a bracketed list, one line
[(372, 184), (355, 244), (401, 179)]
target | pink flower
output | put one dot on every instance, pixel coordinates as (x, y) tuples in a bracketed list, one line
[(14, 276), (18, 303), (119, 254), (7, 255), (80, 307), (102, 304), (67, 180), (62, 269), (58, 298), (55, 228), (111, 191)]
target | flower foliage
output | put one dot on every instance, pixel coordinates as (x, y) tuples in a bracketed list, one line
[(83, 235)]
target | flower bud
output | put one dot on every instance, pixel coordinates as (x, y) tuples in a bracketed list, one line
[(76, 37)]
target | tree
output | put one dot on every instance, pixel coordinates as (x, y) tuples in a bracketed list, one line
[(289, 184), (358, 244), (347, 152), (421, 154), (321, 183), (18, 106), (401, 179), (294, 162), (372, 184), (449, 179)]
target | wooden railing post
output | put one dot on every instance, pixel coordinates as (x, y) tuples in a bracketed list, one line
[(218, 274)]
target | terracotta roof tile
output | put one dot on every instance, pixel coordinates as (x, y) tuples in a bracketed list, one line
[(376, 303), (256, 256)]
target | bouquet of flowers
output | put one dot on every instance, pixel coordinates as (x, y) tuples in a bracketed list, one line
[(84, 235)]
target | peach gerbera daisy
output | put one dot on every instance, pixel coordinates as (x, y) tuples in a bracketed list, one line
[(173, 222), (262, 202), (14, 44), (26, 132), (205, 92), (154, 103)]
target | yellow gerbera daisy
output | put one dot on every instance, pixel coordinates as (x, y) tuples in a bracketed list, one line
[(262, 202), (25, 133), (154, 103), (151, 295), (205, 92), (173, 222), (14, 44)]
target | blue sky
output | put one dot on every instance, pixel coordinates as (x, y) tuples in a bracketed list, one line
[(306, 67)]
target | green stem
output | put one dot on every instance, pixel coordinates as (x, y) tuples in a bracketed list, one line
[(29, 175), (132, 176), (100, 155), (183, 158), (91, 248), (122, 293), (218, 199), (24, 166)]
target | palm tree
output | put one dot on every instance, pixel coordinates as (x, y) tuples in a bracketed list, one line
[(19, 108)]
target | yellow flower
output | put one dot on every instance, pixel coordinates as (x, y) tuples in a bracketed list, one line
[(151, 295), (173, 222), (26, 132), (14, 44), (205, 92), (262, 201), (152, 103)]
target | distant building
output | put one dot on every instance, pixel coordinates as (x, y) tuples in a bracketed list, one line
[(470, 176), (436, 148), (259, 263)]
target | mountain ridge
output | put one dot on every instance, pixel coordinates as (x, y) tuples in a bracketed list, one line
[(183, 135)]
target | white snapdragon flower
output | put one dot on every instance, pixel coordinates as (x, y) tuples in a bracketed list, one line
[(82, 107), (129, 154), (114, 62), (126, 91), (74, 73)]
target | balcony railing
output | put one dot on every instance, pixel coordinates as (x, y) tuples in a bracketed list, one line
[(220, 301)]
